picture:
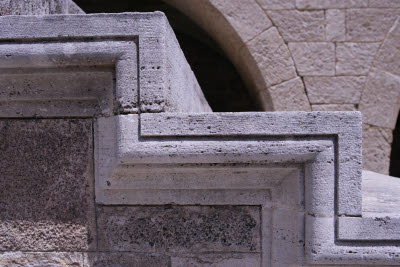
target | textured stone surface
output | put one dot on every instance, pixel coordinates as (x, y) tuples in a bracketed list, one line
[(277, 4), (299, 26), (333, 107), (271, 57), (314, 59), (355, 58), (245, 16), (110, 259), (369, 24), (388, 57), (38, 7), (323, 4), (335, 25), (381, 111), (376, 148), (177, 228), (217, 260), (334, 90), (40, 259), (290, 95), (47, 185), (384, 3)]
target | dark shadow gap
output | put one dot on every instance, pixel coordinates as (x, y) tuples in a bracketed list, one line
[(394, 169)]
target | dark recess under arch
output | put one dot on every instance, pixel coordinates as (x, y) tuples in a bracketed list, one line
[(394, 169), (221, 83)]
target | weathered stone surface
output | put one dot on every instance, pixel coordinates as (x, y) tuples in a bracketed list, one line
[(380, 99), (334, 107), (179, 228), (38, 7), (376, 148), (314, 59), (47, 185), (355, 58), (271, 57), (334, 90), (388, 57), (246, 16), (217, 260), (290, 95), (299, 26), (324, 4), (384, 3), (111, 259), (369, 24), (277, 4), (40, 259), (335, 25)]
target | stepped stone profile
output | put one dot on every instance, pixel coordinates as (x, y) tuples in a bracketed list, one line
[(112, 156)]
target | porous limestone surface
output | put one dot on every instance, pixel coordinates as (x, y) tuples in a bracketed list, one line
[(38, 7), (116, 41), (47, 185)]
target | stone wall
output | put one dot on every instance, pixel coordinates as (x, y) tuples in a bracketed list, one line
[(315, 55)]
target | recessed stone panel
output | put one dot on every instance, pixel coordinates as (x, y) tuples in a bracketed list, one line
[(46, 191), (179, 228), (108, 259)]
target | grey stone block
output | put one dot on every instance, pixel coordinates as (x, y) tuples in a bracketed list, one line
[(217, 260), (179, 229), (110, 259), (38, 7), (165, 79), (40, 259), (47, 185)]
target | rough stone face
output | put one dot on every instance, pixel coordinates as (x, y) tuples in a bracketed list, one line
[(40, 259), (104, 259), (217, 260), (271, 57), (290, 95), (384, 3), (334, 107), (381, 111), (324, 4), (376, 148), (369, 24), (314, 59), (355, 58), (335, 25), (299, 26), (388, 57), (177, 228), (47, 185), (334, 90), (38, 7), (277, 4)]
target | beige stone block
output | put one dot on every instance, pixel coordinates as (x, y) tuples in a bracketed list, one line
[(376, 148), (335, 25), (245, 16), (334, 90), (388, 57), (380, 101), (268, 54), (355, 58), (314, 59), (384, 3), (299, 26), (333, 107), (369, 24), (289, 96), (324, 4), (39, 259), (277, 4), (217, 260)]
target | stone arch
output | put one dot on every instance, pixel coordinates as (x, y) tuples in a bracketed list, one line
[(380, 101), (256, 48)]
